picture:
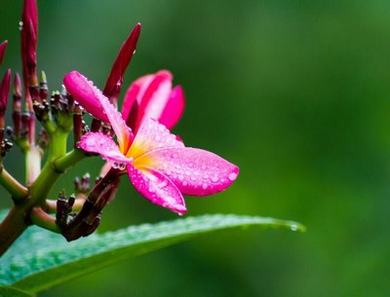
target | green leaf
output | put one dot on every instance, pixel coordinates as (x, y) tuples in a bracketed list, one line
[(12, 292), (41, 259)]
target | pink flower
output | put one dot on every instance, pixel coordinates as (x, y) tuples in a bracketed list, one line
[(159, 166), (3, 46)]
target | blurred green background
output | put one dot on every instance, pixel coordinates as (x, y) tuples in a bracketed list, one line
[(295, 92)]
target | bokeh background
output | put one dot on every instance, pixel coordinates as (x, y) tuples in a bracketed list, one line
[(294, 91)]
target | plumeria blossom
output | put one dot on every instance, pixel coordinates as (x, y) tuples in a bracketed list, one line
[(159, 166)]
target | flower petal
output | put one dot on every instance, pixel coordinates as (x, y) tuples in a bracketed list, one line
[(134, 94), (156, 96), (85, 93), (99, 143), (93, 100), (150, 136), (151, 94), (157, 188), (174, 108), (194, 171)]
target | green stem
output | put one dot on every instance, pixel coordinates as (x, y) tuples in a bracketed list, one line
[(71, 158), (57, 147), (15, 188), (49, 174), (50, 126)]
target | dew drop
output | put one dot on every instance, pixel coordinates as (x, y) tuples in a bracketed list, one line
[(232, 176)]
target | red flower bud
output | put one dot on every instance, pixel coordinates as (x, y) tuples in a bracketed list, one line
[(4, 91), (126, 52), (17, 105), (29, 28), (3, 46), (17, 91)]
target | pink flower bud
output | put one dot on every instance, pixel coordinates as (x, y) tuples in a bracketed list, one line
[(126, 52), (29, 42), (4, 91), (17, 91), (3, 46)]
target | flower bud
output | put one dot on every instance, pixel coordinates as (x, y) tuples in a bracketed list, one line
[(115, 79), (43, 89), (3, 46), (4, 92), (82, 184), (126, 52), (17, 105), (29, 35)]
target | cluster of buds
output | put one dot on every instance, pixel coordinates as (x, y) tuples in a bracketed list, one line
[(57, 114), (82, 223)]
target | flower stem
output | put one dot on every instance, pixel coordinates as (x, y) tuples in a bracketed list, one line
[(57, 146), (42, 219), (49, 174), (16, 189), (71, 158)]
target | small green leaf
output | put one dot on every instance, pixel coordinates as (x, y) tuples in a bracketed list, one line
[(41, 259), (12, 292)]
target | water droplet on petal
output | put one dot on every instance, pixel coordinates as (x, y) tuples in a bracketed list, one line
[(232, 176)]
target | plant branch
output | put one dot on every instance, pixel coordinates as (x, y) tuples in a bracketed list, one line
[(71, 158), (12, 227), (42, 219), (15, 188)]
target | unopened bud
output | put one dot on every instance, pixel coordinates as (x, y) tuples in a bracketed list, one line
[(126, 52), (83, 184), (3, 46), (17, 89), (4, 92), (43, 89), (29, 28)]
